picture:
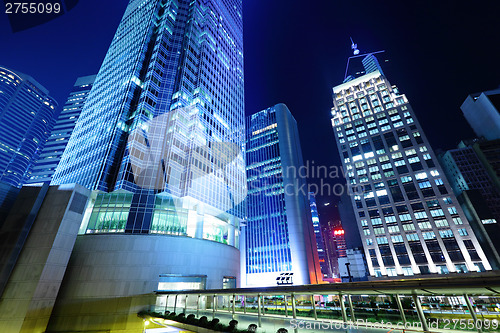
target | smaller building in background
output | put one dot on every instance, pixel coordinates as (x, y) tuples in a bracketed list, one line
[(352, 266), (330, 241), (323, 260), (482, 112), (59, 137), (26, 119), (471, 172)]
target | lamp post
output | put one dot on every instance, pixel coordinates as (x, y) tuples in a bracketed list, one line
[(348, 271)]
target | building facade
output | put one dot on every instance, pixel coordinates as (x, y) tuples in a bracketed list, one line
[(164, 122), (482, 112), (330, 241), (323, 260), (478, 192), (37, 239), (352, 266), (56, 143), (160, 137), (26, 118), (467, 169), (408, 217), (160, 143), (279, 236)]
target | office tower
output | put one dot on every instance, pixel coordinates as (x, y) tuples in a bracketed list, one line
[(339, 240), (56, 143), (328, 231), (482, 112), (320, 245), (279, 236), (26, 118), (410, 219), (160, 134), (477, 187), (468, 169), (159, 142)]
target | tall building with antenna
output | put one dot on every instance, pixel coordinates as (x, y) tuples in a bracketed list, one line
[(409, 219)]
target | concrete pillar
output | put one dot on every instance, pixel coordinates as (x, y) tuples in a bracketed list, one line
[(166, 305), (213, 307), (314, 307), (401, 310), (472, 312), (286, 305), (234, 301), (342, 307), (185, 304), (294, 312), (263, 306), (198, 306), (351, 308), (244, 304), (420, 312), (175, 303), (258, 310)]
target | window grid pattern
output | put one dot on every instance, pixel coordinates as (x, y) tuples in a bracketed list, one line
[(267, 241), (394, 167), (173, 76), (26, 118), (61, 132)]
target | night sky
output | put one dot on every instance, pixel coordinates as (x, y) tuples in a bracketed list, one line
[(296, 51)]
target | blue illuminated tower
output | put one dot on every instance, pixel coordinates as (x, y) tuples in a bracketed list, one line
[(26, 118), (320, 244), (165, 120), (279, 236), (160, 143), (61, 132)]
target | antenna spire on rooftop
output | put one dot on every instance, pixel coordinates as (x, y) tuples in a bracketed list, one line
[(354, 47)]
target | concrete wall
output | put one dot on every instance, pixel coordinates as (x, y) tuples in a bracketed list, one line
[(112, 277), (30, 293)]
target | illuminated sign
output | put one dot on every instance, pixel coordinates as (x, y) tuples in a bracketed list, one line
[(339, 232), (284, 278)]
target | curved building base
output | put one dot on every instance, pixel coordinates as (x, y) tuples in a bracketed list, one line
[(111, 277)]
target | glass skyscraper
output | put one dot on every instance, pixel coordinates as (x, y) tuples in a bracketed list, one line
[(160, 143), (26, 118), (160, 136), (320, 244), (56, 143), (279, 236), (409, 219)]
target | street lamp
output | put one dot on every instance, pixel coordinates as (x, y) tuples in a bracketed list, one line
[(145, 323)]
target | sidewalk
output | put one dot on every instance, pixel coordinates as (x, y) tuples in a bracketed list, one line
[(271, 323)]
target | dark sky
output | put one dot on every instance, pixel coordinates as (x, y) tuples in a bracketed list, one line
[(296, 51)]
